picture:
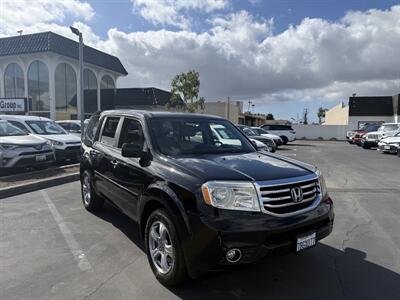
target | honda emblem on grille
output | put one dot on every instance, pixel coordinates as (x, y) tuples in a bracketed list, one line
[(297, 194), (38, 147)]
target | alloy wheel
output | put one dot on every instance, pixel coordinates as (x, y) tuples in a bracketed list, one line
[(160, 247)]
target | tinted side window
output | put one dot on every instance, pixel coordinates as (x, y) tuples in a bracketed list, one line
[(267, 127), (109, 131), (74, 127), (131, 133)]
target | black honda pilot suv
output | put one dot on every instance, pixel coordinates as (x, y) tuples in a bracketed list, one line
[(202, 194)]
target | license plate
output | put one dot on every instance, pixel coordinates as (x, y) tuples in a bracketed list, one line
[(40, 157), (306, 241), (387, 147)]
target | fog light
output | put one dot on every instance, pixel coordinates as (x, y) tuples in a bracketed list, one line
[(233, 255)]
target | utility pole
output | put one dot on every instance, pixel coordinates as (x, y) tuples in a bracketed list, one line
[(82, 112), (229, 108)]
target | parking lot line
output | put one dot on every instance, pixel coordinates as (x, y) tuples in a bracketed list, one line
[(73, 245)]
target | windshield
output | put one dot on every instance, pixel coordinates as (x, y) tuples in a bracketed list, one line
[(201, 136), (46, 127), (259, 131), (392, 127), (6, 129), (249, 132)]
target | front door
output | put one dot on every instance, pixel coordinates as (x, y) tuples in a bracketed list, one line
[(129, 176)]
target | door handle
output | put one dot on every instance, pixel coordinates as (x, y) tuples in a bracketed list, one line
[(114, 163)]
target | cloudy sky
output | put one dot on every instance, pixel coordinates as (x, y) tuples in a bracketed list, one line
[(284, 55)]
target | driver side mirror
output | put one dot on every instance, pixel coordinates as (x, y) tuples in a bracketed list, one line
[(131, 150), (254, 144)]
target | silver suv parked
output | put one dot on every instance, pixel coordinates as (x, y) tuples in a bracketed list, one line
[(19, 149)]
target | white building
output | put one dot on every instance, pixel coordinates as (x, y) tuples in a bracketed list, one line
[(43, 69)]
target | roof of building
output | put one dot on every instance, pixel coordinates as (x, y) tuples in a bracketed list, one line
[(52, 42), (371, 106), (151, 96)]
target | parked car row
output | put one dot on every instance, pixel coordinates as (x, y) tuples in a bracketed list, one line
[(385, 137), (276, 136), (31, 141)]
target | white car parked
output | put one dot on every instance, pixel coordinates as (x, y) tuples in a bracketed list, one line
[(19, 149), (285, 132), (371, 139), (260, 131), (67, 146), (389, 144)]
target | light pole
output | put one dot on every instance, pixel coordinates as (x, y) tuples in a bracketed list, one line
[(81, 106)]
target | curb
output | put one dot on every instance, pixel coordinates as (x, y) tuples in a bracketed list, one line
[(37, 185)]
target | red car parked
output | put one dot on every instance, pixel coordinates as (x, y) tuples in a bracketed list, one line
[(356, 139)]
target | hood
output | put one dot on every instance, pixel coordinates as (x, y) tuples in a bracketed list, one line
[(374, 132), (65, 138), (22, 140), (271, 136), (253, 166), (391, 140)]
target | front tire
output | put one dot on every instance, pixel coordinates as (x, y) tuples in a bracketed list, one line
[(90, 199), (285, 140), (366, 146), (163, 249)]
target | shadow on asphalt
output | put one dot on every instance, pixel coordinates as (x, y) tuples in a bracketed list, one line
[(321, 272)]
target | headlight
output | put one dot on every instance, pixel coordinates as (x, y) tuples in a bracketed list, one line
[(8, 146), (56, 143), (231, 195), (322, 184)]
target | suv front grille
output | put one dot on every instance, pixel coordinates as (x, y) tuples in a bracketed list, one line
[(279, 200), (373, 137)]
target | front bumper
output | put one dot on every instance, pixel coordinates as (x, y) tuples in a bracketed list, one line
[(388, 148), (256, 235), (370, 143), (27, 159)]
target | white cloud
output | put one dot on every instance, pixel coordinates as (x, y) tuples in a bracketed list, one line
[(32, 16), (240, 57), (173, 12)]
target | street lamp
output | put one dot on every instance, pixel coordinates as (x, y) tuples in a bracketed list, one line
[(81, 106)]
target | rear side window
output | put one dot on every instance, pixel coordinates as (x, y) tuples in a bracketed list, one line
[(280, 127), (90, 132), (109, 131)]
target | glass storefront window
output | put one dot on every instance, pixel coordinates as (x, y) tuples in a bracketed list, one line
[(90, 91), (14, 81), (66, 88), (107, 92), (38, 87)]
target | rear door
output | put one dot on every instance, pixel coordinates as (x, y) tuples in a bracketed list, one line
[(105, 152)]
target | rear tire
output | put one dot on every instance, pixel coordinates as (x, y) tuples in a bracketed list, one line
[(90, 199), (285, 140), (163, 249)]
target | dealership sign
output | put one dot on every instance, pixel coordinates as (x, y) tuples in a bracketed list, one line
[(12, 104)]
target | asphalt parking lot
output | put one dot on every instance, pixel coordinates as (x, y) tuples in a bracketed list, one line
[(51, 248)]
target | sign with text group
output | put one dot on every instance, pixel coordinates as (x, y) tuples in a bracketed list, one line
[(12, 105)]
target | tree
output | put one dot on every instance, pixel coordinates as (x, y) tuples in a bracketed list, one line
[(270, 117), (186, 85), (305, 116), (321, 114)]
